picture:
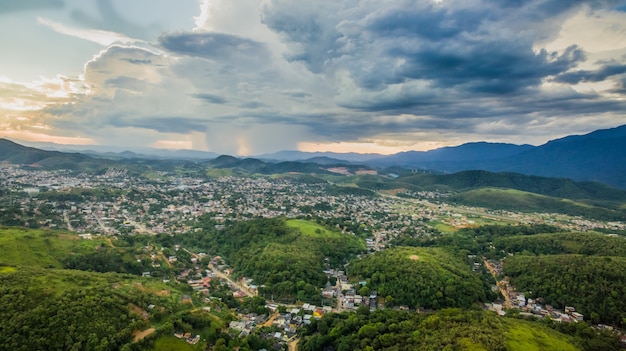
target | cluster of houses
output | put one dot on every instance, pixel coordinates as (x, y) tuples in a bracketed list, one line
[(351, 300), (286, 324), (169, 204), (530, 308), (191, 339)]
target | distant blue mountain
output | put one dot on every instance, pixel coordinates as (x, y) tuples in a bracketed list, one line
[(598, 156), (438, 158)]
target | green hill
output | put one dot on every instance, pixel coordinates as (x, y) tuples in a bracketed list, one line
[(450, 329), (45, 307), (39, 248), (594, 285), (517, 200), (419, 277), (563, 243), (555, 187), (17, 154), (287, 257)]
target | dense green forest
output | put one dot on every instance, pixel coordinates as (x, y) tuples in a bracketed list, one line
[(476, 241), (288, 257), (420, 277), (563, 243), (67, 310), (105, 260), (584, 270), (451, 329), (594, 285)]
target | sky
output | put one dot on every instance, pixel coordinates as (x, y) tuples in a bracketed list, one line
[(249, 77)]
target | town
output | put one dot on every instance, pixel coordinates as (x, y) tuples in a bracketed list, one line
[(116, 204)]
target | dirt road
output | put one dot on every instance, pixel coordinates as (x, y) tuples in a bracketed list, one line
[(141, 335)]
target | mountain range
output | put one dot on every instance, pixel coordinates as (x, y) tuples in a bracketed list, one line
[(598, 156)]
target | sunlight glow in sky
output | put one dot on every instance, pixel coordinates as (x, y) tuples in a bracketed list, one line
[(249, 77)]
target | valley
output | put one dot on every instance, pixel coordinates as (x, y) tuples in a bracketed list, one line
[(204, 257)]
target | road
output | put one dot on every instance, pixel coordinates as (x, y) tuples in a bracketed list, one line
[(221, 275), (66, 218), (269, 322), (104, 228), (141, 335), (140, 227), (499, 284), (230, 281), (339, 296), (293, 344)]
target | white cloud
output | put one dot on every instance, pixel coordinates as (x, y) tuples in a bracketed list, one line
[(101, 37), (257, 76)]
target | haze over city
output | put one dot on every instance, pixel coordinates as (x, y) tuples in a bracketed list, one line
[(249, 77)]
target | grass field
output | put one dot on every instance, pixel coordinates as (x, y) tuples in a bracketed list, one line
[(443, 227), (523, 337), (34, 247), (311, 228), (171, 343)]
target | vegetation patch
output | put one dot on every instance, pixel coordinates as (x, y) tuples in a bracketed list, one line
[(563, 243), (171, 343), (517, 200), (7, 269), (41, 248), (527, 337), (594, 285), (311, 228), (450, 329), (430, 278), (288, 257)]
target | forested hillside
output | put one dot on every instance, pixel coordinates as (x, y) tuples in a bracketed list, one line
[(563, 243), (451, 329), (288, 260), (70, 310), (594, 285), (420, 277)]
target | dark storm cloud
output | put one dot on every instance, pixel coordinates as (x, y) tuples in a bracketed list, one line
[(486, 67), (452, 65), (434, 23), (210, 98), (591, 76), (471, 48), (312, 26), (217, 46)]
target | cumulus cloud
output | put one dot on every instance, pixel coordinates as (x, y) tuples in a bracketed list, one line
[(276, 74)]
